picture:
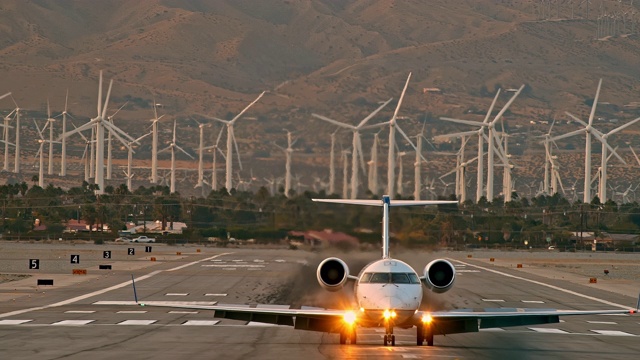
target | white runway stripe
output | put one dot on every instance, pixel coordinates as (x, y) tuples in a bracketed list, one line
[(13, 322), (533, 301), (234, 265), (158, 303), (137, 322), (73, 322), (183, 312), (467, 271), (132, 312), (603, 322), (200, 322), (612, 333), (213, 294), (254, 323), (79, 312), (548, 331), (493, 329), (493, 300), (177, 294)]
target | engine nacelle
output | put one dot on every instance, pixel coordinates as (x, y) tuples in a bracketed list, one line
[(332, 274), (439, 275)]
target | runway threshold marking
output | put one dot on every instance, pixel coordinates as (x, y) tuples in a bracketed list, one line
[(183, 312), (213, 294), (625, 307), (137, 322), (603, 322), (132, 312), (13, 322), (79, 312), (105, 290), (73, 322), (549, 331), (533, 301), (612, 333), (200, 322)]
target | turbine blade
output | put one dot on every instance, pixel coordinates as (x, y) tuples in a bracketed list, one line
[(106, 101), (406, 84), (620, 128), (333, 121), (100, 94), (595, 103), (248, 106), (184, 151), (466, 122), (364, 121)]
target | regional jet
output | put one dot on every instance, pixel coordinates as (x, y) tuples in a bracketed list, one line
[(388, 294)]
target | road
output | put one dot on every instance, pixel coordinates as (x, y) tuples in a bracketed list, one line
[(77, 321)]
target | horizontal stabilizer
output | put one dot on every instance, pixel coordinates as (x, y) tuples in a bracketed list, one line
[(391, 202)]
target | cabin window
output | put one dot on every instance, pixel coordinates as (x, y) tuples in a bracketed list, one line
[(400, 278), (414, 278), (380, 278), (366, 277)]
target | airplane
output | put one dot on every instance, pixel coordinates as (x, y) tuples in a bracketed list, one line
[(388, 293)]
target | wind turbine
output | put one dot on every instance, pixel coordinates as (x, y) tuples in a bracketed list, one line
[(494, 143), (16, 165), (481, 137), (215, 149), (109, 142), (50, 122), (85, 158), (231, 141), (201, 149), (345, 174), (356, 146), (154, 143), (589, 130), (41, 141), (172, 147), (6, 127), (373, 165), (288, 153), (63, 157), (332, 164), (129, 174), (100, 123)]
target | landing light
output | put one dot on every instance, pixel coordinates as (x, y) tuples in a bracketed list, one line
[(389, 314), (349, 317), (426, 319)]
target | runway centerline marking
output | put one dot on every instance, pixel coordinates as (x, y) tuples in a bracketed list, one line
[(200, 322), (137, 322), (549, 331), (132, 312), (176, 294), (183, 312), (533, 301), (603, 322), (80, 312), (493, 300), (625, 307), (105, 290)]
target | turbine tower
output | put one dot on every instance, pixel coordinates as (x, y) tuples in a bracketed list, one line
[(5, 138), (109, 142), (16, 165), (231, 140), (63, 156), (356, 146), (172, 147), (50, 122), (332, 164), (154, 143), (215, 149), (288, 153), (129, 174), (200, 155)]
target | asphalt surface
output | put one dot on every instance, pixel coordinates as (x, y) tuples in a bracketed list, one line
[(71, 321)]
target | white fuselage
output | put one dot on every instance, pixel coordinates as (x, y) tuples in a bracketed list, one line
[(387, 285)]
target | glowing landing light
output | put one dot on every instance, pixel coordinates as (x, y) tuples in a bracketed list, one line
[(389, 314), (426, 319), (349, 317)]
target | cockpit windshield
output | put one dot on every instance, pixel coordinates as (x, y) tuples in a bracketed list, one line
[(393, 278)]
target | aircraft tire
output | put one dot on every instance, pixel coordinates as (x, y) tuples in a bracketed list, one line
[(393, 340), (430, 338), (343, 337)]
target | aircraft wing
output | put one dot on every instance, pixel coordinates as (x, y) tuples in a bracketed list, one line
[(314, 319), (467, 320)]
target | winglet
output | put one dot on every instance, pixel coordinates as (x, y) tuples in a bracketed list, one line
[(135, 294)]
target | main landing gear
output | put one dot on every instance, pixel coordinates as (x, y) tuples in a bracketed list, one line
[(424, 332), (348, 333)]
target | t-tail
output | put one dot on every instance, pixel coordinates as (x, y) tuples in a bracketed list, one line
[(386, 203)]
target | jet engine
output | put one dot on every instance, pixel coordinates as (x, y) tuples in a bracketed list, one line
[(439, 275), (332, 274)]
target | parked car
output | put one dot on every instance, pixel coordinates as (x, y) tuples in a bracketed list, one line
[(144, 239), (124, 239)]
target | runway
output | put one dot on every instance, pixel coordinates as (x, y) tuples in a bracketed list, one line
[(80, 321)]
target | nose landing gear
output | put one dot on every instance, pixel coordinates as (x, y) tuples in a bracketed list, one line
[(389, 337)]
